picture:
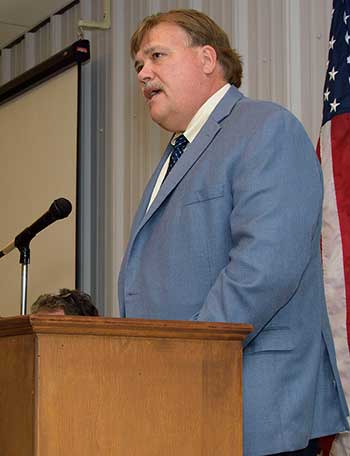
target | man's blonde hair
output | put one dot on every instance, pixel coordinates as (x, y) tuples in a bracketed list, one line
[(201, 30)]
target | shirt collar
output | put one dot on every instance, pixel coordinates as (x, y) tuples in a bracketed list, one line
[(202, 115)]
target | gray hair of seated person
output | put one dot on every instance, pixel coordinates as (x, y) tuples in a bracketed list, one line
[(73, 302)]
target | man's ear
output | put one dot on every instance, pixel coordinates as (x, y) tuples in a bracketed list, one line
[(209, 59)]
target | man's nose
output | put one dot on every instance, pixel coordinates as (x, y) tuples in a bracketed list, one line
[(146, 73)]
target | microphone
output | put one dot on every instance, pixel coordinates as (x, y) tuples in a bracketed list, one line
[(59, 209)]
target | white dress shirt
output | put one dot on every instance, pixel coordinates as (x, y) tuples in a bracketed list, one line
[(191, 132)]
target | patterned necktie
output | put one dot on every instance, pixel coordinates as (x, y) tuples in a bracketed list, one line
[(180, 144)]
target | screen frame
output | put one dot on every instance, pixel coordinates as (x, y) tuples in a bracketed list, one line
[(75, 54)]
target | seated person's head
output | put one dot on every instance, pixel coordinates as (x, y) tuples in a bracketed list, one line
[(66, 302)]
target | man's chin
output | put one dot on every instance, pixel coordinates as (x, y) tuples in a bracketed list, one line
[(156, 116), (163, 119)]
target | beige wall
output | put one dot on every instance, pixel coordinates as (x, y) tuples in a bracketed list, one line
[(38, 161)]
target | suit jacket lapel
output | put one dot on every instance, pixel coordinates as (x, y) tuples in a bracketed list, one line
[(148, 192), (191, 155)]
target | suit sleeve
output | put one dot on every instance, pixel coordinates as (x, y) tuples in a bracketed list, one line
[(275, 224)]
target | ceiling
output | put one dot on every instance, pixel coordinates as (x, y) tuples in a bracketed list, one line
[(19, 16)]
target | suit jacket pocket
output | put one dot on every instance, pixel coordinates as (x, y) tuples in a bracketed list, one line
[(204, 194), (272, 339)]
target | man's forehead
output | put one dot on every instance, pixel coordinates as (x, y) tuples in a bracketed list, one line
[(162, 38), (163, 33)]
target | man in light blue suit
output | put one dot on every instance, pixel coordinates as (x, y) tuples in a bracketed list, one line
[(228, 230)]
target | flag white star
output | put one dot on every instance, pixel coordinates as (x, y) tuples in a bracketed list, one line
[(348, 59), (346, 17), (347, 37), (334, 105), (326, 94), (332, 73), (331, 43)]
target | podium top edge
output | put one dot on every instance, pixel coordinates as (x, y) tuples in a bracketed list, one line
[(100, 326)]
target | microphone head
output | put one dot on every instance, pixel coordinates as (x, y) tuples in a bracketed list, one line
[(60, 208)]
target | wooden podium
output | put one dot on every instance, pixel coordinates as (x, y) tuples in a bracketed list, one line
[(90, 386)]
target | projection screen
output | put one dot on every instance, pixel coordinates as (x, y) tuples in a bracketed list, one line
[(39, 132)]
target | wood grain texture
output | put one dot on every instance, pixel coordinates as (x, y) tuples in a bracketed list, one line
[(138, 396), (141, 388), (58, 324), (16, 395)]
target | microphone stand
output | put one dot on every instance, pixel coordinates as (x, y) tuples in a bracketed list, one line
[(59, 209), (24, 261)]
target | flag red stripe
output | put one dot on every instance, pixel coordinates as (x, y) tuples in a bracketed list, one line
[(340, 141), (325, 444)]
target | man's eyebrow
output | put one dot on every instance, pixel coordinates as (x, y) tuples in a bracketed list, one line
[(149, 51), (157, 48)]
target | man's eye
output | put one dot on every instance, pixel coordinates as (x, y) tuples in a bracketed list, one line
[(157, 55), (138, 68)]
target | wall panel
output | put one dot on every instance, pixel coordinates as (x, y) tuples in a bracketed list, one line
[(284, 44)]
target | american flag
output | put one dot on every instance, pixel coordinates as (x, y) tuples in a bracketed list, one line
[(334, 152)]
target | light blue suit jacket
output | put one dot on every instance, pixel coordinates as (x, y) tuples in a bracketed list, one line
[(233, 236)]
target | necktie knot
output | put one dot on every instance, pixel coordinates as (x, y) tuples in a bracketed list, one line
[(181, 141), (178, 148)]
